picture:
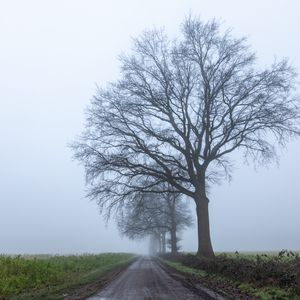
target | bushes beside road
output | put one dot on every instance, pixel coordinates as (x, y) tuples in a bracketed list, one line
[(280, 273)]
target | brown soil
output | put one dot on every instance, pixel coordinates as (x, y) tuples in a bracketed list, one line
[(145, 279)]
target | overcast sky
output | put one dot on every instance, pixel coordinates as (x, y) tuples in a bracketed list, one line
[(52, 54)]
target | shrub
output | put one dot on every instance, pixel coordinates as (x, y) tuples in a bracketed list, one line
[(282, 270)]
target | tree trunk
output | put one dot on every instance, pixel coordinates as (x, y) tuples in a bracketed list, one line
[(163, 236), (160, 244), (173, 237), (204, 242)]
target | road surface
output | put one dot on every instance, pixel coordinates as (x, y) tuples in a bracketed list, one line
[(145, 280)]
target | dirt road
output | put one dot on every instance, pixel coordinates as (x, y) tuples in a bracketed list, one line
[(145, 279)]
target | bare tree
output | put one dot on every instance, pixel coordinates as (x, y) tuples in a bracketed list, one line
[(178, 217), (156, 215), (179, 110), (142, 217)]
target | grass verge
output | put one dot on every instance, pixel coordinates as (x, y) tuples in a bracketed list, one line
[(54, 276)]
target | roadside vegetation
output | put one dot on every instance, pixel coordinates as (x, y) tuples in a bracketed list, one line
[(260, 276), (52, 277)]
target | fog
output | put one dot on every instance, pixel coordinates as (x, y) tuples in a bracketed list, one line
[(52, 55)]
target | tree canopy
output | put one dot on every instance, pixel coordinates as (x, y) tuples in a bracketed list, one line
[(180, 108)]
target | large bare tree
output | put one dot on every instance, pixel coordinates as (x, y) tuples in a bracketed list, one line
[(178, 111)]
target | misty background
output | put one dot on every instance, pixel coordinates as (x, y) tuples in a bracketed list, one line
[(52, 55)]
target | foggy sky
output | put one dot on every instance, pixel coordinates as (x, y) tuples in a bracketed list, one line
[(52, 55)]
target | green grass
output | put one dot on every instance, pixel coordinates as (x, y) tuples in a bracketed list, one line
[(180, 267), (268, 293), (50, 277)]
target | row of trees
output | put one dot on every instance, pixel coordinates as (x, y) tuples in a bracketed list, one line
[(180, 109), (159, 215)]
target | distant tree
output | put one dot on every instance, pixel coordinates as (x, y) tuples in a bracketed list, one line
[(178, 111), (155, 214), (143, 218), (178, 218), (152, 245)]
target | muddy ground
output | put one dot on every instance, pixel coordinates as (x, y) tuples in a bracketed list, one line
[(146, 278)]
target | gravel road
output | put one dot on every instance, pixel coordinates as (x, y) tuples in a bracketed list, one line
[(145, 280)]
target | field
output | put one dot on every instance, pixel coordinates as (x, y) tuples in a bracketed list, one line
[(52, 277), (259, 276)]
